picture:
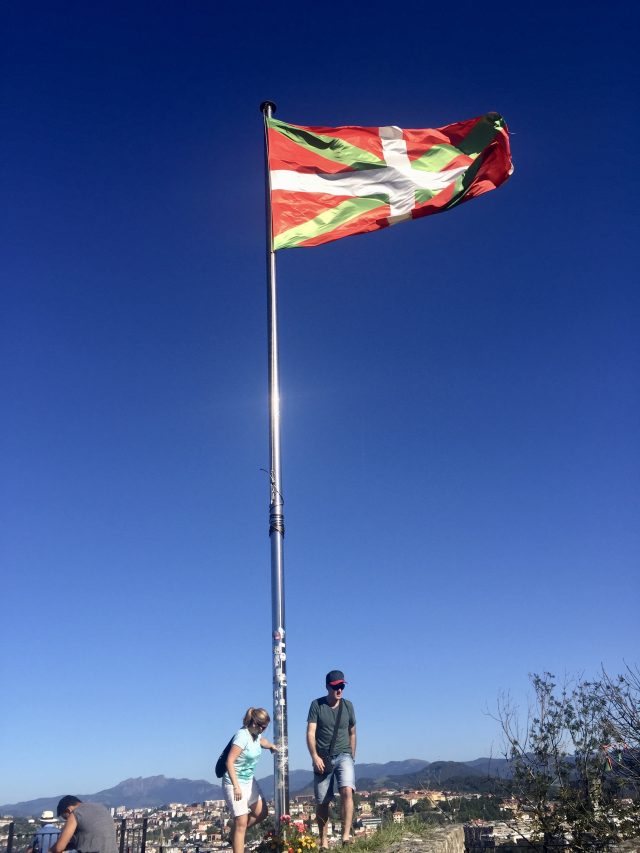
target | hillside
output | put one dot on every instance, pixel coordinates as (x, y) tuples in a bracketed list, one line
[(154, 791)]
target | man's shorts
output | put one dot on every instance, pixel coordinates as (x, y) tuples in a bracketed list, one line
[(343, 775), (251, 793)]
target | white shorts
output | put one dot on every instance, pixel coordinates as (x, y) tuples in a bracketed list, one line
[(251, 793)]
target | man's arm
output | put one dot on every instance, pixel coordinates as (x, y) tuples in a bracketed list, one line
[(66, 835), (318, 763), (352, 740)]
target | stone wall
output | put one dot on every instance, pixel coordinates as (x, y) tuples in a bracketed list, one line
[(445, 839), (632, 846), (450, 839)]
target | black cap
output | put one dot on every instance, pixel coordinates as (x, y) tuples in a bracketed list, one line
[(335, 677)]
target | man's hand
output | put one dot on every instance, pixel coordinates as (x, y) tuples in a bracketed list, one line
[(318, 763)]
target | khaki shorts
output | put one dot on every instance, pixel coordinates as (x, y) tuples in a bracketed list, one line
[(251, 793)]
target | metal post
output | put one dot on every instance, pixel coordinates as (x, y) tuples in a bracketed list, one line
[(276, 520)]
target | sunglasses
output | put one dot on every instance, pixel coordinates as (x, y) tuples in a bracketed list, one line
[(336, 687), (260, 726)]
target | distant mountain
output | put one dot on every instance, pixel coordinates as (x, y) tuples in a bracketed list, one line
[(435, 773), (500, 767), (154, 791), (148, 792), (301, 781), (391, 768)]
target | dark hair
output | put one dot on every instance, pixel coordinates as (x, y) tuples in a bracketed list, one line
[(67, 801)]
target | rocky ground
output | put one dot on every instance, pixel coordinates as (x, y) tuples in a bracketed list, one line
[(443, 840)]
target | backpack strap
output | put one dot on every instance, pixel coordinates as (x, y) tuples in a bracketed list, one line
[(350, 710), (335, 731)]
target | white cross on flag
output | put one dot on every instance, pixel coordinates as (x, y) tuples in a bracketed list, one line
[(328, 183)]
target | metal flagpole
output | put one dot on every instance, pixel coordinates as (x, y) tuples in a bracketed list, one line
[(276, 519)]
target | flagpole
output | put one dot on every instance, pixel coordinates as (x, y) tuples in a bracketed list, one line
[(276, 518)]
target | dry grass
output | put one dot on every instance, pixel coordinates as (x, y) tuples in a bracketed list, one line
[(392, 834)]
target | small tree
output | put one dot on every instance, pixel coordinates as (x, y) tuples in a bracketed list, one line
[(622, 696), (423, 805), (402, 804), (561, 774)]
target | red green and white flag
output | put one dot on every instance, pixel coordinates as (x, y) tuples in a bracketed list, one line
[(331, 182)]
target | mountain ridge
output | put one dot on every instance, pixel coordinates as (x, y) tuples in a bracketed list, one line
[(155, 791)]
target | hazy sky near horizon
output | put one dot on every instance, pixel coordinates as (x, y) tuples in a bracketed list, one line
[(459, 394)]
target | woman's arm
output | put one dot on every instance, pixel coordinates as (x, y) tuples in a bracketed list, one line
[(234, 752), (265, 744)]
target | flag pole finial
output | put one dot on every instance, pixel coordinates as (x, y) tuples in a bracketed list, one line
[(268, 107)]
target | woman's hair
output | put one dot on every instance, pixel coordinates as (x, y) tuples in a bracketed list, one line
[(256, 715)]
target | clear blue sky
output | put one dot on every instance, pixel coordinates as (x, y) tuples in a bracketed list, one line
[(460, 394)]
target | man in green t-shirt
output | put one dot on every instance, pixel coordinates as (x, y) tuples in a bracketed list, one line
[(331, 740)]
